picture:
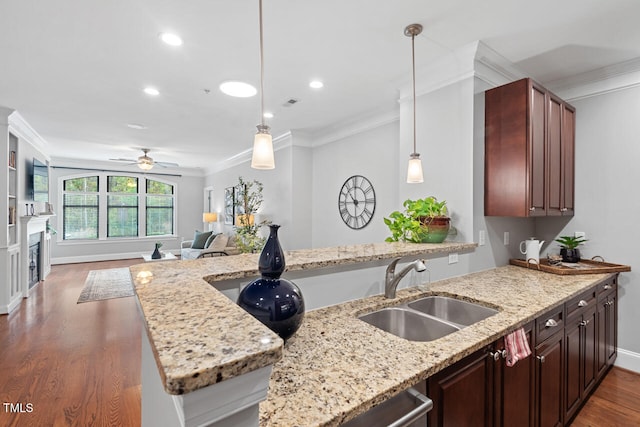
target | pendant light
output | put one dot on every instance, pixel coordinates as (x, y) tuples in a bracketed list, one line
[(262, 157), (414, 170)]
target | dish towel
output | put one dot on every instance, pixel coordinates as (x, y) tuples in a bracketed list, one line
[(517, 346)]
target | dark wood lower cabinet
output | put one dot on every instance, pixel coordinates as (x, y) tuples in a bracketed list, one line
[(514, 388), (581, 335), (573, 346), (549, 381), (462, 394)]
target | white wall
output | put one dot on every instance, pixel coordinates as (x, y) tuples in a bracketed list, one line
[(286, 197), (607, 206), (188, 213), (372, 154)]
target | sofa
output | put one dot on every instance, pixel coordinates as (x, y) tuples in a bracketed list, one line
[(209, 246)]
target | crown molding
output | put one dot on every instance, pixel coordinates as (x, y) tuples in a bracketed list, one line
[(279, 142), (19, 125), (612, 78), (104, 165), (493, 68), (353, 127)]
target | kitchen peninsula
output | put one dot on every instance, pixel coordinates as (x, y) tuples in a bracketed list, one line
[(336, 366)]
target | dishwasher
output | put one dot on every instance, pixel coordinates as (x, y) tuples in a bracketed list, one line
[(408, 408)]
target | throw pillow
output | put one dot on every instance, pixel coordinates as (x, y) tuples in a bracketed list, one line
[(200, 238), (210, 240), (219, 243)]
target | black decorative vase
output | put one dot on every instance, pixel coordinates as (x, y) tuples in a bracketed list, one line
[(274, 301), (570, 255), (156, 253)]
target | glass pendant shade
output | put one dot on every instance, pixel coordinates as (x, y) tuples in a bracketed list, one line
[(262, 157), (414, 171)]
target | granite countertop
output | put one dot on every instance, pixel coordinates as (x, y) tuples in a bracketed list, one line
[(189, 322), (337, 366)]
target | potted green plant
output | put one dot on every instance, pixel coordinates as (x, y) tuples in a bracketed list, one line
[(422, 221), (569, 247), (247, 202)]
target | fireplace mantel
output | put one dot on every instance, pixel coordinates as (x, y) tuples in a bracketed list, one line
[(32, 224)]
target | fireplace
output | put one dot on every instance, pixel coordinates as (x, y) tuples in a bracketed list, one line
[(34, 259)]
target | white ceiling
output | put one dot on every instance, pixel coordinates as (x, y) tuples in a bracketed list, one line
[(75, 69)]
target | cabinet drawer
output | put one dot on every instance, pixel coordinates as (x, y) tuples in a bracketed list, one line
[(609, 285), (582, 301), (549, 323)]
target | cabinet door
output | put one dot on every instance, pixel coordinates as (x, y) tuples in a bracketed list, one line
[(462, 394), (601, 316), (506, 153), (549, 381), (537, 151), (568, 158), (573, 341), (611, 331), (514, 388), (581, 359), (554, 156)]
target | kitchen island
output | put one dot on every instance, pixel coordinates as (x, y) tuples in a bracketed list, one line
[(336, 366)]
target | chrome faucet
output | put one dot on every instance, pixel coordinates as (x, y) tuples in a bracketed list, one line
[(391, 279)]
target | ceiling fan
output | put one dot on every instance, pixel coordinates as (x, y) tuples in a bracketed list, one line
[(145, 162)]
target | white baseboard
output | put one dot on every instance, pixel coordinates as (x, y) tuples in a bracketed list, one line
[(628, 360), (101, 257)]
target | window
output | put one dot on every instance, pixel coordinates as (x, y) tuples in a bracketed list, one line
[(159, 208), (122, 206), (108, 206), (80, 208)]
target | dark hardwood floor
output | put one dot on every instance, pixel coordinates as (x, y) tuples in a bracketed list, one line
[(79, 364), (75, 364), (616, 402)]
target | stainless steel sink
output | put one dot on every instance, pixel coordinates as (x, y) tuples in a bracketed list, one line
[(408, 324), (428, 318), (453, 310)]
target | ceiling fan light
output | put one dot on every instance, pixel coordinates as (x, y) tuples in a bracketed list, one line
[(262, 157), (414, 170), (145, 162)]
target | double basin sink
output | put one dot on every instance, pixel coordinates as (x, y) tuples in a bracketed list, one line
[(428, 318)]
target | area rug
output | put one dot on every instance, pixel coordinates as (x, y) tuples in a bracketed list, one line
[(107, 284)]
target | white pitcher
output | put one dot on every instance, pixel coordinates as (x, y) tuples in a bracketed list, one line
[(531, 249)]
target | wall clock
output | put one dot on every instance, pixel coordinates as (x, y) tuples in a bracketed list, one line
[(357, 202)]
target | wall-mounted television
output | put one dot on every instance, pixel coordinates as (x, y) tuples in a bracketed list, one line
[(40, 181)]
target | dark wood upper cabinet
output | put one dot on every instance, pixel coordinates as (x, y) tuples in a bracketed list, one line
[(529, 149)]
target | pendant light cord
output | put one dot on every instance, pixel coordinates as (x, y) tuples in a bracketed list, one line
[(261, 70), (413, 62)]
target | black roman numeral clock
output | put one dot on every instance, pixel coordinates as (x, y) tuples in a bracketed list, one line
[(357, 202)]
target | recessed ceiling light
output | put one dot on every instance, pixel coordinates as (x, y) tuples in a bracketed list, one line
[(151, 91), (136, 126), (171, 39), (238, 89), (268, 115), (316, 84)]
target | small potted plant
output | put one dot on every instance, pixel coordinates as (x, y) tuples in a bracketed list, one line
[(422, 221), (569, 247)]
